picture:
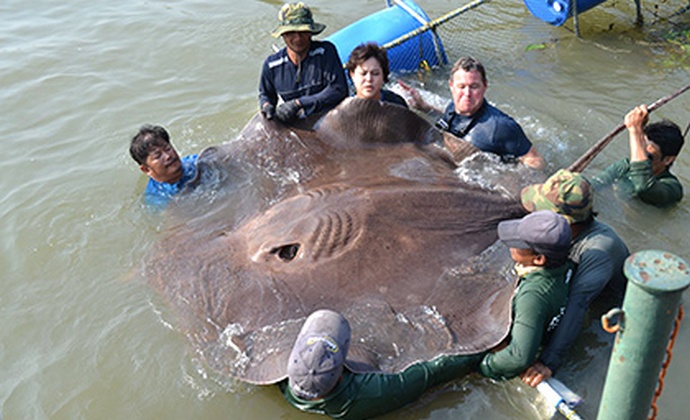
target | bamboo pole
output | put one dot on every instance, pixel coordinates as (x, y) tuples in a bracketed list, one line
[(584, 160)]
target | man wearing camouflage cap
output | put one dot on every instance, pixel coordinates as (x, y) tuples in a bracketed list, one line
[(596, 249), (304, 78)]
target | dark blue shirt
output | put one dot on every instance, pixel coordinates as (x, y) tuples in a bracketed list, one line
[(392, 98), (158, 194), (488, 129), (318, 81)]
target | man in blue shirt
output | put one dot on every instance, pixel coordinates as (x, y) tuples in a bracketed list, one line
[(158, 159), (306, 76), (470, 117)]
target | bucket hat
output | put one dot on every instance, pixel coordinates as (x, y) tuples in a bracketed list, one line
[(296, 17)]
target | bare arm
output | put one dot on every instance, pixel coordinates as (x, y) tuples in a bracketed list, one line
[(634, 122), (416, 101), (533, 159)]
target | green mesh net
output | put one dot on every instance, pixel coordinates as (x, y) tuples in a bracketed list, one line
[(480, 28)]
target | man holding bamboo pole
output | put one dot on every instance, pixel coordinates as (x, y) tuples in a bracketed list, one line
[(653, 149)]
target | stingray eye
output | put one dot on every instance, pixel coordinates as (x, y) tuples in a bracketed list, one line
[(286, 252)]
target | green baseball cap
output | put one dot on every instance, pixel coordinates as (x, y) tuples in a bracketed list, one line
[(296, 17), (566, 193)]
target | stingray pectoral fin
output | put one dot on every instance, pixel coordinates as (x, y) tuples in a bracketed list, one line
[(460, 149), (358, 123)]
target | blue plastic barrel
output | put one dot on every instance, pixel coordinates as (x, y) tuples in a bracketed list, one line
[(387, 25), (556, 12)]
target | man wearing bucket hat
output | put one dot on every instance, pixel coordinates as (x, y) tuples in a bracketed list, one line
[(653, 149), (318, 380), (539, 244), (306, 76), (596, 249)]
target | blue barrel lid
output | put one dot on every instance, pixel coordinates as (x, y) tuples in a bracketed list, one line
[(556, 12), (387, 25)]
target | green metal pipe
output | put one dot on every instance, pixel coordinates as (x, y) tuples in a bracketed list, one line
[(656, 281)]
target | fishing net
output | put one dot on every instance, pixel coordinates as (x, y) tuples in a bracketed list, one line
[(493, 28), (450, 34)]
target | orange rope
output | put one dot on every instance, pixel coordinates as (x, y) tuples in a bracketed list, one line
[(667, 361)]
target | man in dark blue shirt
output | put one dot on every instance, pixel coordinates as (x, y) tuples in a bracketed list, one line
[(306, 76), (470, 117)]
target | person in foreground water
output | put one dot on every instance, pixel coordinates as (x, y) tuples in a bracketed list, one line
[(596, 249), (304, 78), (539, 244), (318, 380), (646, 174), (158, 159)]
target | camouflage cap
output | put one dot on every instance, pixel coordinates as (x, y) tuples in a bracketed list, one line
[(566, 193), (296, 17)]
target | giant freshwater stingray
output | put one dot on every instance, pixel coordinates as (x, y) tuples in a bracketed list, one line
[(364, 213)]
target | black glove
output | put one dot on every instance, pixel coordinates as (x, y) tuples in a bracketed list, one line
[(268, 111), (287, 111)]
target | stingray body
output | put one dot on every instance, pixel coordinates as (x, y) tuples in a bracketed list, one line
[(365, 215)]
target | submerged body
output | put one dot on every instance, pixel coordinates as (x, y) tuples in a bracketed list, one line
[(159, 194), (368, 219), (653, 150), (637, 179), (363, 396)]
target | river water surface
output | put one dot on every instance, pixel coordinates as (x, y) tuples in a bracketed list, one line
[(83, 338)]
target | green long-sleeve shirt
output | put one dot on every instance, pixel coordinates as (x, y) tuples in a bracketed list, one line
[(636, 179), (538, 303), (366, 395)]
